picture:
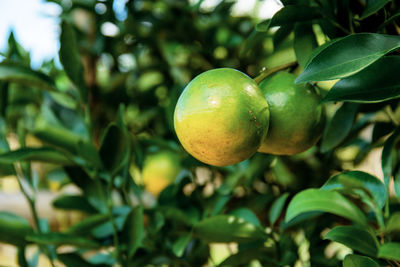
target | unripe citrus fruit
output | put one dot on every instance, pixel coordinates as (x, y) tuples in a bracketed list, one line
[(159, 170), (296, 119), (221, 117)]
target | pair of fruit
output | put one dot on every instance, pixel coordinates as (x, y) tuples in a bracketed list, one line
[(223, 117)]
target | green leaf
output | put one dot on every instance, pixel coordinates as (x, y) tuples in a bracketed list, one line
[(71, 59), (300, 218), (114, 150), (94, 190), (73, 202), (56, 135), (381, 129), (390, 251), (74, 259), (230, 182), (86, 225), (372, 7), (59, 239), (359, 261), (255, 37), (25, 76), (219, 203), (44, 154), (176, 215), (338, 127), (294, 13), (358, 179), (281, 34), (396, 181), (106, 229), (14, 229), (277, 207), (389, 20), (102, 258), (284, 176), (326, 201), (304, 42), (355, 238), (245, 256), (180, 244), (3, 140), (287, 16), (89, 152), (387, 156), (246, 214), (263, 26), (393, 224), (5, 169), (134, 230), (346, 56), (376, 83), (4, 93), (228, 228), (16, 51), (65, 100)]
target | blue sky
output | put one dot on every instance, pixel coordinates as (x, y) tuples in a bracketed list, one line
[(35, 26)]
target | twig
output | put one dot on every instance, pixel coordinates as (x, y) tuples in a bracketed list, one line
[(115, 234), (265, 73), (32, 201), (111, 216)]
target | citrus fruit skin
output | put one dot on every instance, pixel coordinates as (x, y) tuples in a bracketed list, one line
[(296, 119), (221, 117), (159, 170)]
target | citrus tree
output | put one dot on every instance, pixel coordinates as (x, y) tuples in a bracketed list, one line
[(101, 120)]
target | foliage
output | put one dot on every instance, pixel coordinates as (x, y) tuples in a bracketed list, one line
[(111, 104)]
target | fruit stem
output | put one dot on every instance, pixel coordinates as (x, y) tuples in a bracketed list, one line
[(267, 72)]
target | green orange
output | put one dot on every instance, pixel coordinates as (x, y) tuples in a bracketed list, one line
[(296, 118), (159, 170), (221, 117)]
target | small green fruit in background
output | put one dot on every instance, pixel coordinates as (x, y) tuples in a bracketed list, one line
[(159, 170)]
